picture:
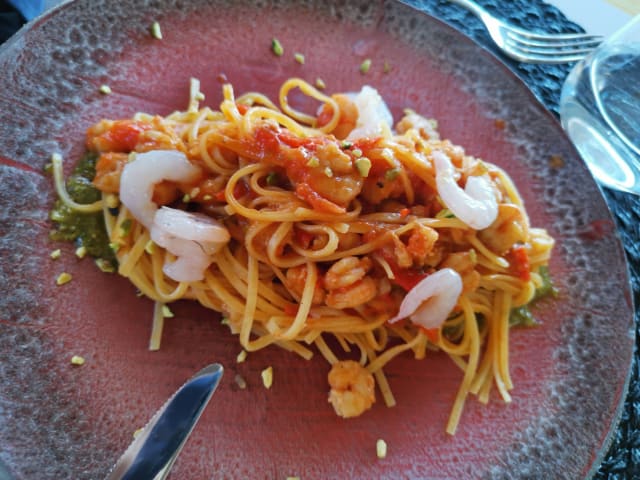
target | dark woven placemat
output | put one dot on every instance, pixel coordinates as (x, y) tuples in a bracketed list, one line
[(622, 460)]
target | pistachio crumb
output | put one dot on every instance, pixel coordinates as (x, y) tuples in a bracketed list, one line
[(77, 360), (55, 254), (137, 433), (386, 67), (166, 312), (150, 247), (242, 356), (320, 83), (199, 96), (241, 382), (313, 162), (267, 377), (63, 278), (81, 252), (381, 448), (356, 152), (363, 165), (155, 31), (105, 265), (328, 172), (365, 65), (391, 174), (299, 57), (112, 201), (276, 47), (105, 89)]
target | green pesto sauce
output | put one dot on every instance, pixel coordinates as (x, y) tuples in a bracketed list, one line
[(522, 316), (84, 229)]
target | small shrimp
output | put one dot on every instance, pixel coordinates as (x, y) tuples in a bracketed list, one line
[(511, 227), (463, 263), (352, 389), (374, 117), (296, 279), (421, 243), (476, 205), (140, 176), (192, 237), (430, 302), (353, 295), (346, 271), (425, 127)]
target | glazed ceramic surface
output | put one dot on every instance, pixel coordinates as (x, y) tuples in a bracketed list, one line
[(61, 421)]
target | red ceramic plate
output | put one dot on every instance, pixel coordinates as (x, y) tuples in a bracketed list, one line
[(60, 421)]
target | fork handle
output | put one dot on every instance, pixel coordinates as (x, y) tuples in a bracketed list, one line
[(476, 9)]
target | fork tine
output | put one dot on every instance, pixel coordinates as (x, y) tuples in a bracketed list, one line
[(554, 36), (553, 57), (585, 41)]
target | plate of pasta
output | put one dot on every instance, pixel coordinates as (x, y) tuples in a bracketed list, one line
[(366, 218)]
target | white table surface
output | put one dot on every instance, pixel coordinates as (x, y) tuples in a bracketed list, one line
[(602, 17)]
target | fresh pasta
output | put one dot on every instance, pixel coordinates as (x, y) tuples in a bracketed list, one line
[(337, 232)]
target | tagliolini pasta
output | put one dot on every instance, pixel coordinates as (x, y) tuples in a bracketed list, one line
[(339, 231)]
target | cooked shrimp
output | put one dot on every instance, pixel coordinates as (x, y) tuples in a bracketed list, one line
[(476, 205), (140, 176), (425, 127), (463, 263), (374, 117), (296, 279), (430, 302), (511, 227), (354, 295), (352, 389), (192, 237), (346, 271)]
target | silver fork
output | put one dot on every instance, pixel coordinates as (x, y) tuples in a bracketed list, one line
[(529, 47)]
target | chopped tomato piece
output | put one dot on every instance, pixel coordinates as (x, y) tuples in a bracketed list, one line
[(117, 136), (519, 262)]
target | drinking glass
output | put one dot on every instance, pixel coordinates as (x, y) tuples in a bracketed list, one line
[(600, 109)]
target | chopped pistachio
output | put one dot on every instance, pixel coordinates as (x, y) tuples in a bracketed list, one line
[(313, 162), (81, 252), (272, 178), (207, 197), (328, 172), (381, 448), (155, 31), (105, 89), (63, 278), (186, 198), (293, 478), (137, 433), (105, 265), (224, 321), (150, 247), (194, 192), (242, 384), (242, 356), (125, 227), (267, 377), (299, 58), (346, 144), (166, 312), (445, 213), (276, 47), (48, 168), (363, 164), (77, 360), (115, 246), (365, 65), (473, 256), (391, 174), (199, 97), (55, 254), (386, 68), (112, 201), (320, 83), (356, 152)]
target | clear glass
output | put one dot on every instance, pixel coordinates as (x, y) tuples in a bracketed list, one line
[(600, 109)]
